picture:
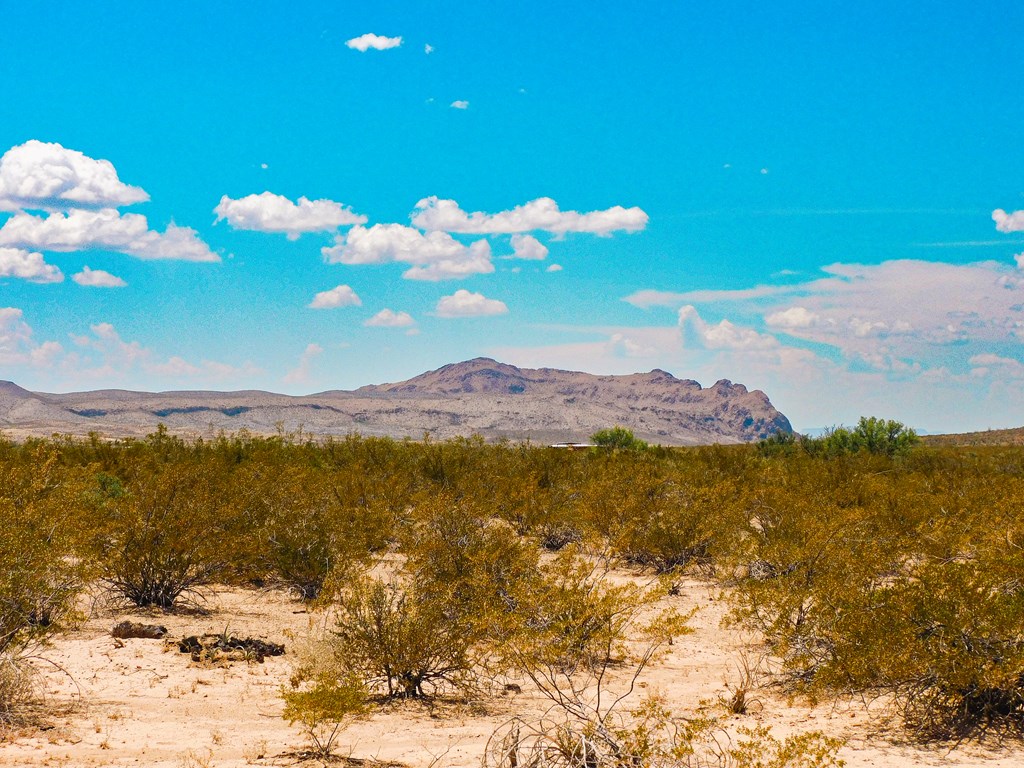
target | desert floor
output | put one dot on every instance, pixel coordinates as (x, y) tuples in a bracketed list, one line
[(141, 702)]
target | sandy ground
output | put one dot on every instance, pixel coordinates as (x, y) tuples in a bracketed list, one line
[(141, 702)]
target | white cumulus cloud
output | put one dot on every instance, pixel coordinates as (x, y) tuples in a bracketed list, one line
[(268, 212), (341, 296), (543, 213), (1008, 222), (387, 318), (794, 317), (554, 268), (475, 260), (97, 278), (433, 255), (28, 265), (460, 104), (365, 42), (462, 303), (723, 335), (108, 229), (45, 176), (528, 247)]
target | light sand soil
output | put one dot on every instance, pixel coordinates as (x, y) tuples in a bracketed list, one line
[(142, 703)]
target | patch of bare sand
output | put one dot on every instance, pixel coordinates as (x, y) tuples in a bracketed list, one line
[(140, 702)]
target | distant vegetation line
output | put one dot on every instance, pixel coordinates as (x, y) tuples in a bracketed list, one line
[(1014, 436)]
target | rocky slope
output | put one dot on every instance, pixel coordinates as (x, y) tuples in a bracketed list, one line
[(479, 396)]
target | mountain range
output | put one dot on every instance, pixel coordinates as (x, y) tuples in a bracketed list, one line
[(480, 396)]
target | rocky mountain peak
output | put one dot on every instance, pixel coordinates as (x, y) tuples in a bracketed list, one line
[(479, 396)]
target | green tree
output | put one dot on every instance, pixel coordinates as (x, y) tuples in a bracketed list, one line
[(878, 436), (618, 438)]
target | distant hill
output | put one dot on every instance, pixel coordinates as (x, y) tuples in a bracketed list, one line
[(1014, 436), (480, 396)]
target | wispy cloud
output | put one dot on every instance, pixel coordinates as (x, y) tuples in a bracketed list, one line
[(301, 373), (963, 244), (721, 335), (103, 355), (651, 298)]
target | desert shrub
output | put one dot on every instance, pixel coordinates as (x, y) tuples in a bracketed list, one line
[(572, 624), (41, 566), (323, 702), (651, 737), (473, 565), (378, 473), (575, 626), (662, 513), (168, 534), (681, 524), (423, 626), (538, 494), (400, 642), (454, 466), (306, 525), (904, 579), (779, 444), (817, 531)]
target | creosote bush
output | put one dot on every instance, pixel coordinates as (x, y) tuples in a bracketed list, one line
[(427, 629), (323, 705), (401, 642), (650, 736), (168, 534), (868, 575), (41, 566), (573, 622), (307, 525)]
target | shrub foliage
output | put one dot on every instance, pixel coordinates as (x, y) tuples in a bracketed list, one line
[(870, 564)]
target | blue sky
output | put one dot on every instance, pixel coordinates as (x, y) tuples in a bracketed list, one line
[(820, 202)]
